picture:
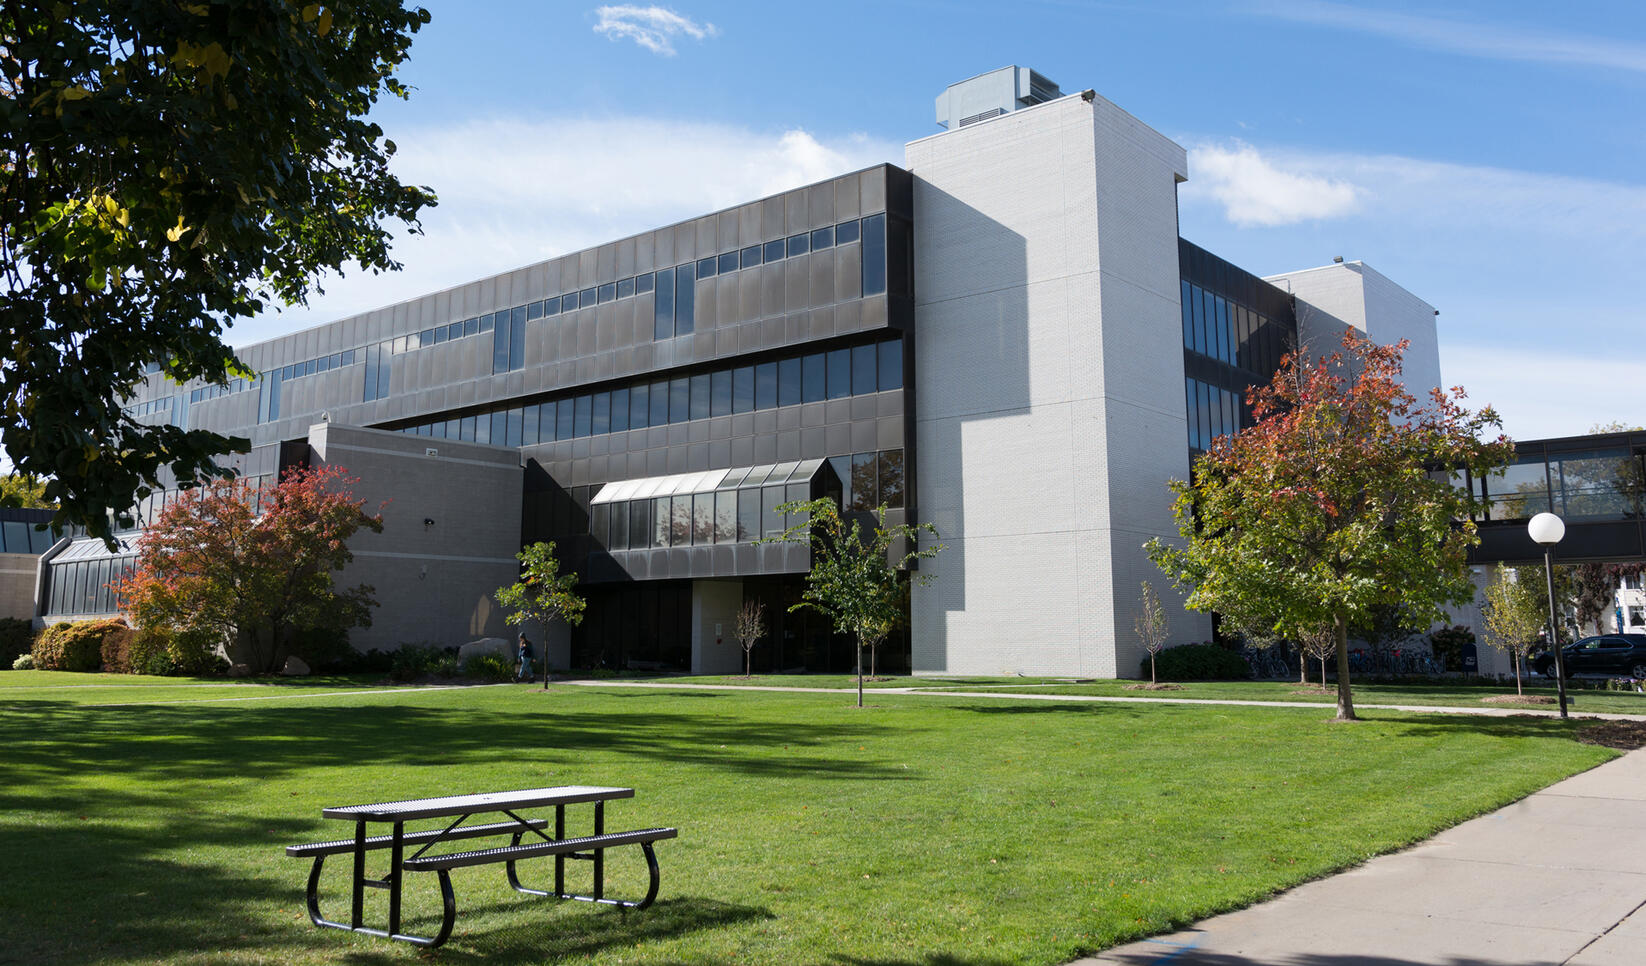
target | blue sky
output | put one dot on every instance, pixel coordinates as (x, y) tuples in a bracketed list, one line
[(1487, 155)]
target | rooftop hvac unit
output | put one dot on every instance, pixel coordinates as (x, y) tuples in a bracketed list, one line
[(993, 94)]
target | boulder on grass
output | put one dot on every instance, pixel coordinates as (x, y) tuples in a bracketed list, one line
[(295, 668), (486, 645), (239, 670)]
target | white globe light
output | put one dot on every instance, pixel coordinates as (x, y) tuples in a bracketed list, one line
[(1546, 529)]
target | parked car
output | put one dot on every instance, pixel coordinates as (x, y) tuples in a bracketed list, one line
[(1620, 654)]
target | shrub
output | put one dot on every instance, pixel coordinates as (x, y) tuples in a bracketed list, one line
[(415, 661), (489, 667), (16, 639), (1198, 662), (24, 662), (323, 648), (70, 646), (1447, 644), (116, 649), (176, 651)]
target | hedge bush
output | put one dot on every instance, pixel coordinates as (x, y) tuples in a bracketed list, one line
[(175, 651), (489, 667), (16, 639), (75, 646), (116, 649), (1198, 662)]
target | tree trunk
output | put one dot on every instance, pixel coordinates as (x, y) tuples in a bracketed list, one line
[(1345, 699), (748, 657), (874, 653), (1518, 691), (543, 645), (860, 670), (1303, 670), (1152, 679)]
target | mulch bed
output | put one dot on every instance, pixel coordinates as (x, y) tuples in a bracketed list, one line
[(1154, 687), (1623, 735), (1316, 691), (1518, 699)]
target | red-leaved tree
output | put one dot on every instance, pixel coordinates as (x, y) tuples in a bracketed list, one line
[(1339, 500), (253, 564)]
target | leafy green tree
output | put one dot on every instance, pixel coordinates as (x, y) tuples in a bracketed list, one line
[(1513, 614), (1334, 502), (855, 576), (542, 594), (18, 490), (252, 564), (165, 170)]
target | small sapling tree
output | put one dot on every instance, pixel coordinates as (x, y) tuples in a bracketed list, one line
[(1512, 617), (749, 627), (1151, 626), (542, 594), (854, 581), (1320, 643)]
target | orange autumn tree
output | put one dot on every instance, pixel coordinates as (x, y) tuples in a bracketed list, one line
[(1337, 501), (253, 564)]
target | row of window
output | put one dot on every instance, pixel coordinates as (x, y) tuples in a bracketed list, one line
[(226, 389), (1227, 331), (1213, 412), (673, 307), (19, 536), (740, 514), (1597, 484), (82, 587), (786, 382)]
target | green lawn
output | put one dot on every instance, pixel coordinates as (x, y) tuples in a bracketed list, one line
[(1455, 695), (142, 820)]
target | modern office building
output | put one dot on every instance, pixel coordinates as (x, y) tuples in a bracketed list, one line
[(1006, 337)]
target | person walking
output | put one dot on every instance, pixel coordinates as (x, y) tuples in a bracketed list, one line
[(523, 660)]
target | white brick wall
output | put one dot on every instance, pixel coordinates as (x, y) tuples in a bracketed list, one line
[(1049, 381), (1356, 294)]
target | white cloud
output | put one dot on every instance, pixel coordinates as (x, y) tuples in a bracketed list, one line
[(1539, 392), (1255, 191), (654, 28), (1471, 37), (515, 192)]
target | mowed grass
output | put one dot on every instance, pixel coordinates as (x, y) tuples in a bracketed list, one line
[(141, 827), (1452, 694)]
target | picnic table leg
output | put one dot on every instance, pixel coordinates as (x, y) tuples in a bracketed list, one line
[(599, 854), (559, 860), (359, 873), (395, 851)]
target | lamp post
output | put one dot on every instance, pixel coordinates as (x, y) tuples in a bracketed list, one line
[(1546, 529)]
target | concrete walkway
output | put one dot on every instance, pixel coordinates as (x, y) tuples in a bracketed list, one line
[(1556, 878)]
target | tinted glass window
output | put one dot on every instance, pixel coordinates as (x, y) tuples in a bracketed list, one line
[(640, 524), (865, 493), (890, 478), (720, 393), (663, 308), (890, 365), (865, 371), (728, 262), (749, 257), (842, 466), (840, 373), (517, 339), (586, 298), (662, 515), (700, 397), (639, 407), (551, 306), (788, 382), (771, 519), (743, 389), (530, 428), (485, 323), (703, 518), (765, 385), (725, 516), (845, 233), (660, 404), (705, 267), (565, 419), (685, 300), (813, 383), (601, 421), (874, 255), (748, 514), (426, 337), (799, 245), (644, 283), (620, 410), (546, 429), (823, 238), (455, 330), (774, 251), (625, 288), (534, 310), (680, 400)]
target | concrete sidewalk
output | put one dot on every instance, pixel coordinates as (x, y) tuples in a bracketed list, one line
[(1557, 878)]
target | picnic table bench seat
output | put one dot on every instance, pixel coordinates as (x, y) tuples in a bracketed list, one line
[(322, 849)]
